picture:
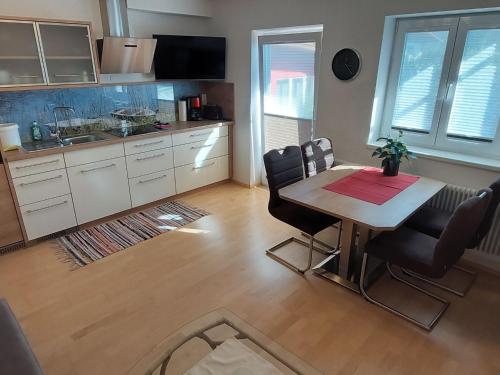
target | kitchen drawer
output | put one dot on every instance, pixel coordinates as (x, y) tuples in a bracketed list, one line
[(149, 162), (49, 216), (192, 176), (93, 154), (36, 165), (152, 187), (41, 186), (199, 135), (200, 151), (148, 144), (99, 189)]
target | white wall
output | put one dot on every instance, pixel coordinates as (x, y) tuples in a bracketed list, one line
[(202, 8), (344, 109)]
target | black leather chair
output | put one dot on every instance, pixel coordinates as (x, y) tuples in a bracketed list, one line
[(425, 254), (16, 356), (318, 157), (432, 221), (284, 168)]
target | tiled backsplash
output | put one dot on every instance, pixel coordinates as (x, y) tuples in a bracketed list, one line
[(24, 107)]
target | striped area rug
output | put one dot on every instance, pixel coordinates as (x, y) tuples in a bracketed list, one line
[(91, 244)]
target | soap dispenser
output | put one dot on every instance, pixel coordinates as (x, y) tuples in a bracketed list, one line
[(36, 132)]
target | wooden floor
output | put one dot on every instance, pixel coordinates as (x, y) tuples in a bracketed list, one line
[(101, 319)]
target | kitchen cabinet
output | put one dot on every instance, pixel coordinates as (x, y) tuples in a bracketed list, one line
[(149, 162), (10, 228), (48, 216), (193, 176), (36, 53), (152, 187), (20, 58), (99, 189), (67, 52)]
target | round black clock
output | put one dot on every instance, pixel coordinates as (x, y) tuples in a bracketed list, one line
[(346, 64)]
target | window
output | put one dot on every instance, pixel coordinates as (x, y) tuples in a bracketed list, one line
[(444, 84)]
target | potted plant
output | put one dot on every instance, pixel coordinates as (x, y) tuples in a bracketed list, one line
[(392, 152)]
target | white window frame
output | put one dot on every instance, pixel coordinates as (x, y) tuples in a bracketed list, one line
[(437, 139)]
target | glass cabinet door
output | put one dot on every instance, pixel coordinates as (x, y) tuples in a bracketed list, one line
[(68, 53), (20, 63)]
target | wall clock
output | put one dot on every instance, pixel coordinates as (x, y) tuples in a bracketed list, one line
[(346, 64)]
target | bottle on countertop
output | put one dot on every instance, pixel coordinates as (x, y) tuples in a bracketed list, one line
[(36, 132)]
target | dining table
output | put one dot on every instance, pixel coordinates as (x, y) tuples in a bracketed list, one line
[(361, 219)]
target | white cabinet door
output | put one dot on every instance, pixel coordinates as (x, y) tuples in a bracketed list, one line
[(152, 187), (94, 154), (42, 164), (192, 176), (199, 135), (193, 153), (47, 217), (149, 162), (148, 144), (38, 187), (99, 189)]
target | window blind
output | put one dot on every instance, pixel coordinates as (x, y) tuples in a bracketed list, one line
[(475, 112), (288, 73), (419, 78)]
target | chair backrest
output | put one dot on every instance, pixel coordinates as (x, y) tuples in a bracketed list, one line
[(487, 222), (460, 230), (282, 169), (318, 156)]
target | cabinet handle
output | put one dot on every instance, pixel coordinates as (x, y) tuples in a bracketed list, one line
[(47, 207), (97, 168), (152, 179), (148, 144), (150, 157), (38, 181), (37, 164), (28, 76), (204, 166), (199, 134), (67, 75), (198, 147)]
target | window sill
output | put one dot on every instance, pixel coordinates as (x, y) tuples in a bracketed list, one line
[(452, 157)]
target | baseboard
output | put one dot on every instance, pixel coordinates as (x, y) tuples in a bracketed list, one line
[(248, 186), (487, 262)]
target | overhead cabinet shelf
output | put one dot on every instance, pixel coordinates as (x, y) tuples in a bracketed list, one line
[(44, 53)]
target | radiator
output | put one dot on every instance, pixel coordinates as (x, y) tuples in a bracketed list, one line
[(450, 197)]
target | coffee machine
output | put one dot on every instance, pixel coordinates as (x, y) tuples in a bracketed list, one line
[(194, 108)]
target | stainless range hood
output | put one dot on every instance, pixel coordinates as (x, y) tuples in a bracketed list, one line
[(119, 53)]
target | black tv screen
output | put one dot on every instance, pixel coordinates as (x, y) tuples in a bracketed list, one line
[(190, 57)]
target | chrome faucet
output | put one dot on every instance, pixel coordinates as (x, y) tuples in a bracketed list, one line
[(57, 134)]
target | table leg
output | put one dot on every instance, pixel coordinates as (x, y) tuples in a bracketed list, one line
[(336, 267), (347, 240)]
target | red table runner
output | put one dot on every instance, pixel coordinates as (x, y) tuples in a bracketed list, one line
[(371, 185)]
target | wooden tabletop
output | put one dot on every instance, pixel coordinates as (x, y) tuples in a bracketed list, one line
[(388, 216)]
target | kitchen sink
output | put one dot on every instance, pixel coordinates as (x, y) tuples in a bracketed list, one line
[(42, 145), (79, 139), (66, 141)]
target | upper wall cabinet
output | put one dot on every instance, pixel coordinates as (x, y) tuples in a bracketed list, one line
[(67, 51), (45, 53), (20, 59)]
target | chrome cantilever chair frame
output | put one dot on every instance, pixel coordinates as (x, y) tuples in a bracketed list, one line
[(427, 327), (310, 245), (442, 286)]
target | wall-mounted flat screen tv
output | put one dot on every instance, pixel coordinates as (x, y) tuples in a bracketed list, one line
[(190, 57)]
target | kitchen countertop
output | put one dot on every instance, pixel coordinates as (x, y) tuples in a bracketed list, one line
[(177, 127)]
